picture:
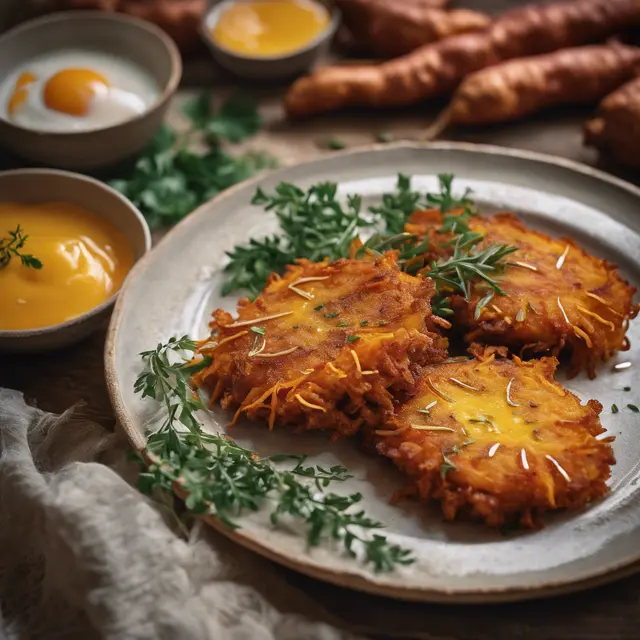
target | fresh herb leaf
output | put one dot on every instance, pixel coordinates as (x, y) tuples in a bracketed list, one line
[(482, 304), (626, 389), (454, 274), (614, 408), (352, 338), (169, 181), (342, 324), (260, 330), (447, 465), (333, 143), (319, 307), (633, 408), (396, 207), (11, 247), (384, 136), (331, 314), (224, 479), (364, 323)]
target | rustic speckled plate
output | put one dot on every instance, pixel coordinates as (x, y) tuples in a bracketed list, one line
[(173, 289)]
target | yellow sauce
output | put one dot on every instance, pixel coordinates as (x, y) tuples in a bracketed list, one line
[(84, 262), (270, 27)]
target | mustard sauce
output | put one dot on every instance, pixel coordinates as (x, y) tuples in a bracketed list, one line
[(84, 262), (270, 27)]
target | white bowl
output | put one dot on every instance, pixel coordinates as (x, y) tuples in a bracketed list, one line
[(32, 186), (129, 38), (267, 67)]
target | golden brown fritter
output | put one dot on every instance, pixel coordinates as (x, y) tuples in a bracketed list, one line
[(327, 346), (559, 297), (499, 440)]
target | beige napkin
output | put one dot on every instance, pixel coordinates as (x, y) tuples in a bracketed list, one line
[(84, 555)]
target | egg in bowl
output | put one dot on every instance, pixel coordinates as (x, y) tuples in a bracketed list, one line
[(76, 90)]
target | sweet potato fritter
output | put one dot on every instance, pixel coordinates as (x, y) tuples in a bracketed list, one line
[(559, 297), (499, 440), (327, 346)]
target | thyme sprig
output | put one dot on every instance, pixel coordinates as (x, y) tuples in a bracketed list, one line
[(12, 247), (223, 479)]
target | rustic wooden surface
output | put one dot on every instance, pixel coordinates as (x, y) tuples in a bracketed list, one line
[(58, 380)]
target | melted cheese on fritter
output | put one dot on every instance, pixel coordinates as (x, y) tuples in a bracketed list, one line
[(324, 346), (557, 295), (503, 439)]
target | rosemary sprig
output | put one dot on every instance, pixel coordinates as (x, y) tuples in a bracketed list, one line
[(11, 247), (223, 479), (467, 264)]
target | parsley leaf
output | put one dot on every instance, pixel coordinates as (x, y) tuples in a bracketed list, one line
[(169, 181)]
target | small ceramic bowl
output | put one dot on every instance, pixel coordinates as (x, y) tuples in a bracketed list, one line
[(32, 186), (120, 36), (266, 67)]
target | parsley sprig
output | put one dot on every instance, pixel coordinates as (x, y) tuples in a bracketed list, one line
[(12, 246), (224, 479), (169, 180)]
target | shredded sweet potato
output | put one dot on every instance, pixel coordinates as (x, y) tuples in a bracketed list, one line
[(392, 29), (498, 440), (327, 346), (615, 129), (560, 299), (513, 89), (437, 68)]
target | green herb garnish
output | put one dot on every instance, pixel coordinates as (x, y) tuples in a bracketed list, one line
[(260, 330), (352, 338), (342, 324), (335, 144), (319, 307), (447, 465), (364, 323), (169, 181), (614, 408), (11, 248), (632, 407), (223, 479), (331, 314), (626, 389), (384, 136)]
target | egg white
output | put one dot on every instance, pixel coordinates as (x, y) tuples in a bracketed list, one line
[(132, 91)]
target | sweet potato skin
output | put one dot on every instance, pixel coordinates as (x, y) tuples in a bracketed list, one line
[(347, 352), (391, 29), (615, 129), (475, 465), (516, 88), (437, 68)]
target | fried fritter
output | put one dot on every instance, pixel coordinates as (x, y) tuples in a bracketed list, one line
[(558, 297), (499, 440), (327, 346)]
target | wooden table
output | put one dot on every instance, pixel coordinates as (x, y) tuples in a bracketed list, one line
[(58, 380)]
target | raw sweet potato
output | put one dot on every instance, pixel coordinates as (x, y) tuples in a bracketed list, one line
[(513, 89), (179, 18), (437, 68), (391, 29), (615, 129)]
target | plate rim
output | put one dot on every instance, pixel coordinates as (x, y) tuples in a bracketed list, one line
[(310, 567)]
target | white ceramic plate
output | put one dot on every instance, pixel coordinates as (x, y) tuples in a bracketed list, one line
[(174, 288)]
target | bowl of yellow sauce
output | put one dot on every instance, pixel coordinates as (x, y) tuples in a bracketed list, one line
[(67, 243), (268, 39)]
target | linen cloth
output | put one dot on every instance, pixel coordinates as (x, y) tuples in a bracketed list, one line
[(84, 555)]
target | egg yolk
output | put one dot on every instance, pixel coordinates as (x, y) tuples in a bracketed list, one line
[(271, 27), (72, 91), (20, 92), (84, 262)]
